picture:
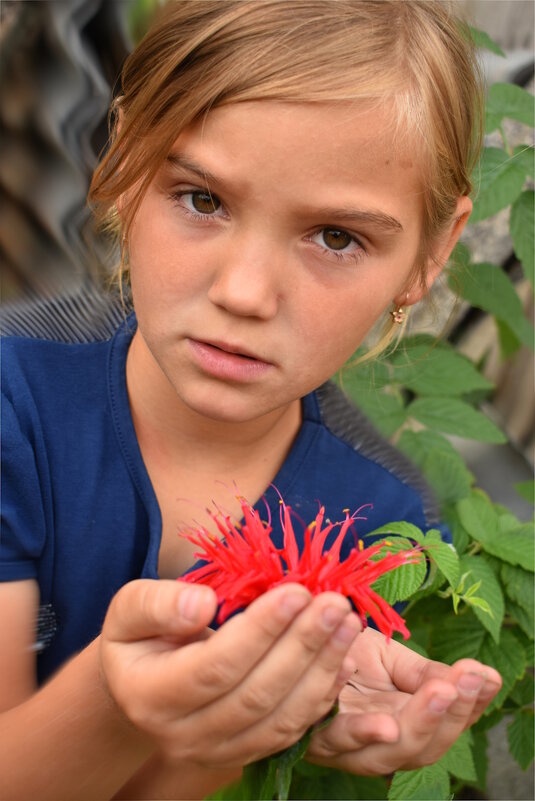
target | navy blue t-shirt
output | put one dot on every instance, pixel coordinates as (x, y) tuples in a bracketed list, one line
[(79, 513)]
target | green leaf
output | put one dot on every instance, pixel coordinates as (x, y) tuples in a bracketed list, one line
[(520, 737), (523, 618), (513, 545), (425, 784), (511, 101), (482, 40), (457, 637), (523, 693), (140, 17), (521, 227), (418, 444), (436, 371), (461, 539), (401, 583), (285, 763), (489, 721), (509, 342), (448, 476), (443, 555), (440, 462), (479, 754), (454, 416), (525, 156), (489, 288), (365, 388), (529, 648), (498, 181), (315, 783), (489, 590), (459, 760), (519, 586), (509, 659), (400, 528), (526, 490)]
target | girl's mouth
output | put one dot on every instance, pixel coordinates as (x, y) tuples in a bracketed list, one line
[(226, 361)]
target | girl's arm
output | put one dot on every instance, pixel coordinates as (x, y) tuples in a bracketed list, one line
[(67, 740), (168, 780)]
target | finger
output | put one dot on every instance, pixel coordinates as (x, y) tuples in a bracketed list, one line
[(308, 641), (418, 720), (146, 608), (477, 683), (488, 692), (317, 689), (438, 716), (409, 670), (350, 732), (198, 674)]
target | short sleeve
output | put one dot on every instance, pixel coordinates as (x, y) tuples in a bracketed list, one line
[(23, 528)]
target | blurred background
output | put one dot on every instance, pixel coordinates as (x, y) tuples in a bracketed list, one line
[(59, 64)]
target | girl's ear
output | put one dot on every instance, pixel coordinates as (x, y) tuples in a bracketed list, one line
[(441, 252)]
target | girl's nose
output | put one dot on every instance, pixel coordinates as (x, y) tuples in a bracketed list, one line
[(247, 281)]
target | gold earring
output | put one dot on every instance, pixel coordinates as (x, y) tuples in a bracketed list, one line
[(398, 314)]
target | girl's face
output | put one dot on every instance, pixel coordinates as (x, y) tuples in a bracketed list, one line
[(272, 239)]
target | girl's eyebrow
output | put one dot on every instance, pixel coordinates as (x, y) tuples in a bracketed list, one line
[(378, 219), (181, 162), (356, 216)]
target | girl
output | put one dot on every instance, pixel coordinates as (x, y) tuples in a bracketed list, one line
[(281, 174)]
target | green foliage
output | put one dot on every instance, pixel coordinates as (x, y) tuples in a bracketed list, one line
[(312, 782), (522, 213), (526, 490), (140, 17), (508, 100), (488, 288), (520, 737), (459, 760), (482, 40), (400, 584), (498, 182), (424, 784)]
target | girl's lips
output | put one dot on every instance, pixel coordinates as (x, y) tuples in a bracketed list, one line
[(226, 364)]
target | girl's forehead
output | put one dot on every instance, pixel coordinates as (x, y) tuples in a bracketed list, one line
[(341, 133)]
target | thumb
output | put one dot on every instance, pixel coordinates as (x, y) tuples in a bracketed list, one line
[(148, 608)]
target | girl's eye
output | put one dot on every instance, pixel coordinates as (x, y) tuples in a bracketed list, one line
[(335, 239), (337, 242), (201, 202)]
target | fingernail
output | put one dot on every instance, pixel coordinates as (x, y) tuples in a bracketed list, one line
[(440, 703), (292, 603), (332, 616), (470, 683), (490, 688), (189, 603), (346, 633)]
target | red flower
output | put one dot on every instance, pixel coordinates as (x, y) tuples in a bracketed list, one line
[(245, 564)]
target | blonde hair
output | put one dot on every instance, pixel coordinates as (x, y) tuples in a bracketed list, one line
[(205, 53)]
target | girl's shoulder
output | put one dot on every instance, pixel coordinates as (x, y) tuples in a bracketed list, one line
[(60, 337), (81, 316)]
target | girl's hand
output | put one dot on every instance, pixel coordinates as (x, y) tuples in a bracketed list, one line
[(235, 695), (400, 710)]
